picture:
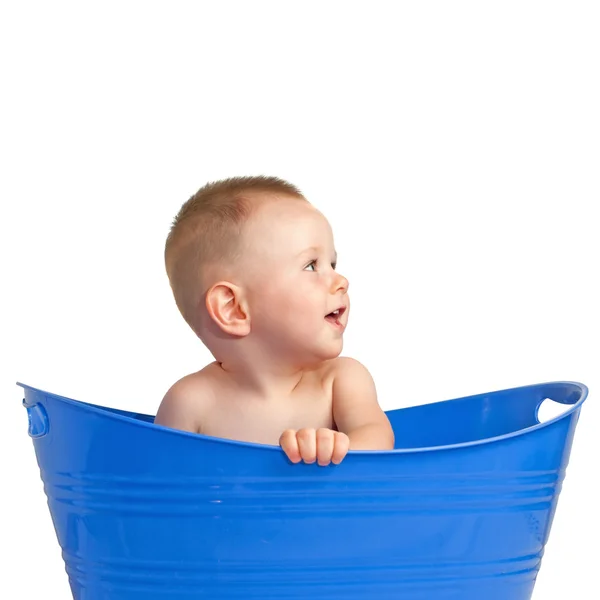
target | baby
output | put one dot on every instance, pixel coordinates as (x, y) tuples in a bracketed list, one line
[(252, 266)]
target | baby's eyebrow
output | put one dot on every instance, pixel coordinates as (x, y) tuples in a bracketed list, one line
[(307, 250), (317, 249)]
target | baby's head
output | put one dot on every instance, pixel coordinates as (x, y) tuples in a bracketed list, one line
[(252, 267)]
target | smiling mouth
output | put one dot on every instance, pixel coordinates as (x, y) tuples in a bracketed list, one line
[(334, 317)]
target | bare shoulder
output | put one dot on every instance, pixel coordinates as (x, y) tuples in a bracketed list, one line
[(342, 366), (187, 401), (348, 371), (353, 385)]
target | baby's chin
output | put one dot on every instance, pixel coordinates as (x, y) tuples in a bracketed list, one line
[(313, 357), (330, 351)]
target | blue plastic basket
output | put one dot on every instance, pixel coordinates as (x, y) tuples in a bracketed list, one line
[(461, 509)]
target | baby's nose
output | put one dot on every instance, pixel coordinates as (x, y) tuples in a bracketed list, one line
[(342, 284)]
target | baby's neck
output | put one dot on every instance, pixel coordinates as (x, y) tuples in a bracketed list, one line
[(271, 382)]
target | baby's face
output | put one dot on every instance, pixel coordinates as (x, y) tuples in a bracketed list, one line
[(289, 272)]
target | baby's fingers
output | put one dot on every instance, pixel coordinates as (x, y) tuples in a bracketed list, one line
[(342, 445), (289, 444), (325, 445), (307, 444)]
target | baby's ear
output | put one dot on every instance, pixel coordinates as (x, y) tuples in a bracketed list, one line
[(226, 306)]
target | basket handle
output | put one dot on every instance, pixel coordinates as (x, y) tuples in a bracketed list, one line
[(38, 419), (559, 393)]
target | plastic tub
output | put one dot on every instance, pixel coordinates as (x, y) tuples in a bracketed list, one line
[(461, 510)]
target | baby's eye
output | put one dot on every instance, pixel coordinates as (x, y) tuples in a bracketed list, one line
[(313, 264)]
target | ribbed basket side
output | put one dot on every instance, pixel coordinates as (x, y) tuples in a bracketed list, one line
[(421, 533)]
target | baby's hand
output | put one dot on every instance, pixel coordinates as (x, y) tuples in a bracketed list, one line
[(323, 445)]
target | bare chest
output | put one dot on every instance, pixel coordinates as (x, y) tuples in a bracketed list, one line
[(263, 421)]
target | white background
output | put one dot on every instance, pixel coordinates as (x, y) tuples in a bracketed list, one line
[(454, 147)]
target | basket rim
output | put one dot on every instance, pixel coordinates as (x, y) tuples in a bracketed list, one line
[(133, 418)]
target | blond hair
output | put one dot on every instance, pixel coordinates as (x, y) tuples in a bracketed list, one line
[(207, 229)]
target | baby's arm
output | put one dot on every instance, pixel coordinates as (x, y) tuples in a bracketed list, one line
[(360, 422), (356, 411), (181, 408)]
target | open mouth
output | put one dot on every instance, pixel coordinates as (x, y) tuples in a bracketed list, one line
[(334, 317)]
